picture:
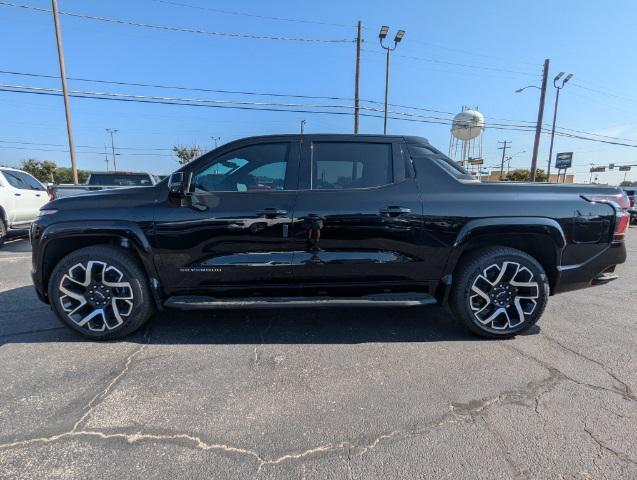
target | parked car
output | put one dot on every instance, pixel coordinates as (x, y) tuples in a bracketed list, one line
[(325, 220), (632, 209), (21, 196), (103, 181)]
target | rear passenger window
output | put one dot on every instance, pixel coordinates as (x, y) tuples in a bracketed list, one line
[(341, 165)]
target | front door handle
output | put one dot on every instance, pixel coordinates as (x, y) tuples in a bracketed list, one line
[(394, 210), (37, 195), (18, 194), (270, 211)]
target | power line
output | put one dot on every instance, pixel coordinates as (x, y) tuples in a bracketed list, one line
[(456, 64), (244, 14), (83, 146), (176, 29)]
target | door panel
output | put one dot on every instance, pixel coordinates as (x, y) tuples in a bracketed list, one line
[(357, 236), (218, 242)]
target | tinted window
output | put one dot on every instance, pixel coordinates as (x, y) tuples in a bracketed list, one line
[(441, 160), (15, 180), (32, 183), (120, 180), (340, 165), (253, 168)]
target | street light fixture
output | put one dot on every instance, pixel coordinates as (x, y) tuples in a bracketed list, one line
[(557, 99), (384, 30), (528, 86)]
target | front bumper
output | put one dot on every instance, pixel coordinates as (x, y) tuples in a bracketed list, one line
[(592, 272)]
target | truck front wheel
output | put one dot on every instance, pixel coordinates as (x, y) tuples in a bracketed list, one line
[(499, 292), (101, 291)]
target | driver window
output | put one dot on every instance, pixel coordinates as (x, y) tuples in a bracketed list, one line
[(254, 168)]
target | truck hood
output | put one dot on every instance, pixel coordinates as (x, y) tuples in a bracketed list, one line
[(103, 199)]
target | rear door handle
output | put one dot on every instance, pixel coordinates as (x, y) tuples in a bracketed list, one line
[(394, 210), (272, 211), (18, 194), (38, 195)]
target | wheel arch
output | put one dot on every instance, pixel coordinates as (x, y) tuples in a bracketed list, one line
[(542, 238), (58, 240)]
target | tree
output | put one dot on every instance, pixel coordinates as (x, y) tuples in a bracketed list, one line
[(47, 171), (186, 154), (521, 175), (42, 170), (626, 183)]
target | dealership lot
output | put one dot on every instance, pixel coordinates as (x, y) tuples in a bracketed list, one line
[(351, 393)]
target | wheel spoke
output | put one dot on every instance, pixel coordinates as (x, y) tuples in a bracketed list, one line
[(96, 296), (503, 295)]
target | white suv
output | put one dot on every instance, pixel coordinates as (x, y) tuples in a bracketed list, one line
[(21, 197)]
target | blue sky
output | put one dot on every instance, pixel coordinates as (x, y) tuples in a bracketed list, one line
[(467, 53)]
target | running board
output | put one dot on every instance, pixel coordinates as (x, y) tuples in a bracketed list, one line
[(379, 300)]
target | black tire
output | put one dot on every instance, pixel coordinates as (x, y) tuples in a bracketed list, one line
[(517, 310), (3, 231), (115, 298)]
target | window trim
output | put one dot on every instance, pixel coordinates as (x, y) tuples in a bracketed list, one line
[(394, 153), (291, 170)]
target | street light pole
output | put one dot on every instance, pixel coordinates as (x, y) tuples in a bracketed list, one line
[(557, 99), (382, 35), (113, 131)]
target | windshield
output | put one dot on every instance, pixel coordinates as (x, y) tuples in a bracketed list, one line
[(120, 180)]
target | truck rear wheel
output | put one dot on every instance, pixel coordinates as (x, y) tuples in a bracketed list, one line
[(499, 292), (101, 291)]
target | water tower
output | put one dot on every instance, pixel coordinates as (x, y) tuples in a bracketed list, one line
[(467, 129)]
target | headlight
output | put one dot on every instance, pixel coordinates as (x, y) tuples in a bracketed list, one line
[(44, 212)]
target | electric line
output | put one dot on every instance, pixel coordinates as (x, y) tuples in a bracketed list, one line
[(176, 29), (244, 14)]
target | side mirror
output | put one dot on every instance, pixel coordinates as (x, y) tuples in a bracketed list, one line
[(179, 184)]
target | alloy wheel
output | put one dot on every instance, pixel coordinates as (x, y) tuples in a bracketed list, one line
[(504, 295), (96, 296)]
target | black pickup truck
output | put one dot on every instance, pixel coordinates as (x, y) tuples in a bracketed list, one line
[(324, 220)]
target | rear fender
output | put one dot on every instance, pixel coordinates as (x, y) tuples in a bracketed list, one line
[(501, 231)]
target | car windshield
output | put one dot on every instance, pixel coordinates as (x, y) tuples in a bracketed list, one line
[(121, 180)]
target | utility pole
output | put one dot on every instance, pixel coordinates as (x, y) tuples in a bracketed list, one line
[(540, 117), (113, 131), (65, 93), (357, 80), (505, 144), (303, 122), (106, 157)]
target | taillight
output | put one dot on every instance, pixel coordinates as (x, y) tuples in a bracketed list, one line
[(51, 193), (621, 204), (632, 201)]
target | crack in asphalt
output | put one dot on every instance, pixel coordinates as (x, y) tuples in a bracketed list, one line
[(90, 406), (603, 447), (628, 393)]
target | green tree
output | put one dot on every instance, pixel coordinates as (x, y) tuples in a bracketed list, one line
[(522, 175), (47, 171), (626, 183), (43, 170), (186, 154), (65, 175)]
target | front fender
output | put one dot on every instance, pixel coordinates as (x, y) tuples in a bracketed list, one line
[(53, 241)]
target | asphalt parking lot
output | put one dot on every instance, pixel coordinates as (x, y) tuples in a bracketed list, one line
[(320, 394)]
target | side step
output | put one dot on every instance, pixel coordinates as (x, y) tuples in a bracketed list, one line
[(380, 300)]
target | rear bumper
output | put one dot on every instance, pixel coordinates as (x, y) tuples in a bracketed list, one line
[(596, 271)]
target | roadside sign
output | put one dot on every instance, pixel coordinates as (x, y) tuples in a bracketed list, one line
[(611, 166), (598, 169), (476, 161), (625, 168), (564, 160)]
